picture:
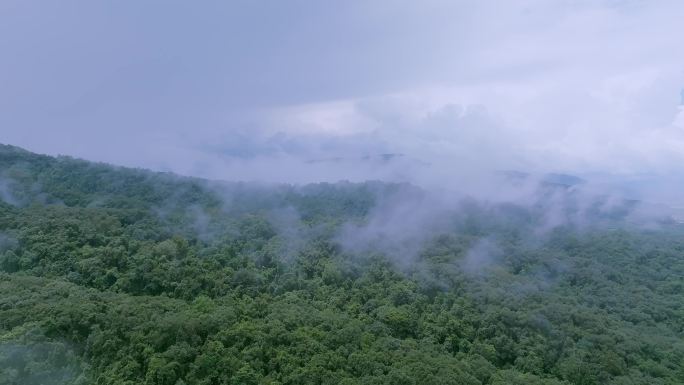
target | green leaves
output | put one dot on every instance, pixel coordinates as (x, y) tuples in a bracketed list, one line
[(116, 276)]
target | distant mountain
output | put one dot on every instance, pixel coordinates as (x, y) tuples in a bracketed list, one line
[(563, 179), (113, 275), (566, 180), (387, 159)]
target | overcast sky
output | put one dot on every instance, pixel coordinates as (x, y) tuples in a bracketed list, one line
[(305, 90)]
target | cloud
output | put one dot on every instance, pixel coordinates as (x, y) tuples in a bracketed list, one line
[(6, 194), (483, 255), (306, 92)]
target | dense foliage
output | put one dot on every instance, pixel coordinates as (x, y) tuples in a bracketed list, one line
[(121, 276)]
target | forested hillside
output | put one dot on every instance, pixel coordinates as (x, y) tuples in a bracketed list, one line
[(111, 275)]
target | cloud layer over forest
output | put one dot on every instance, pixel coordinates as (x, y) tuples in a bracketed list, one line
[(436, 93)]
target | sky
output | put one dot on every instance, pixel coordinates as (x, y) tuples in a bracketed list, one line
[(301, 91)]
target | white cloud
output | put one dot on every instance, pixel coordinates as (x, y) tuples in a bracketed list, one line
[(459, 87), (574, 86)]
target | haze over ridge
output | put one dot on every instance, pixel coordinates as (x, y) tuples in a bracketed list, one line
[(261, 91)]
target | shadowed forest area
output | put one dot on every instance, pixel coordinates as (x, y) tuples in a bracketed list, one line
[(112, 275)]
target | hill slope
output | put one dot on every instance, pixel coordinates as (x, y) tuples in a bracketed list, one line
[(121, 276)]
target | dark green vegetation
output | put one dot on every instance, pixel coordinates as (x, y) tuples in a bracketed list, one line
[(120, 276)]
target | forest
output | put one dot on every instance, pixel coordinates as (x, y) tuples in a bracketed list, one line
[(112, 275)]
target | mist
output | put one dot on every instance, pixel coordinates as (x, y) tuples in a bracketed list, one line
[(353, 192), (471, 108), (6, 194), (440, 94), (40, 361)]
